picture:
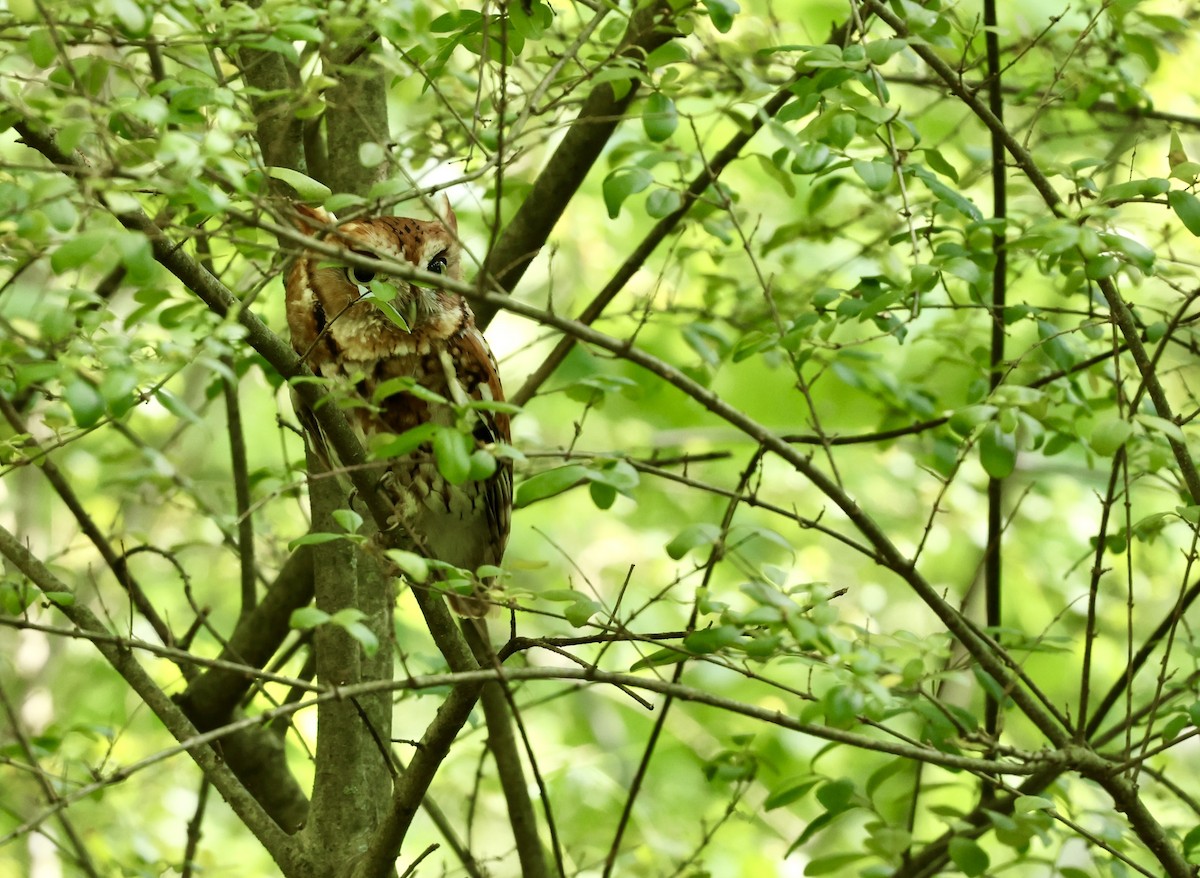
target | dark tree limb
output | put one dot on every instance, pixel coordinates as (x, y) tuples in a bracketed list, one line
[(665, 226), (649, 27)]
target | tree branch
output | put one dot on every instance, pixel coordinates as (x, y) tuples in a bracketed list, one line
[(649, 27), (281, 848)]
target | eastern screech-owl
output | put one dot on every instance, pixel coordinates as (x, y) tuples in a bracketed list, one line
[(343, 334)]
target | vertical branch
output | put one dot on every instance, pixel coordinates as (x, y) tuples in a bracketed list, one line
[(351, 784), (1089, 637), (355, 113), (278, 131), (992, 568), (241, 492), (502, 743)]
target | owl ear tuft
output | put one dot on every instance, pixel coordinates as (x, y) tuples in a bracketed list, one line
[(446, 213), (311, 220)]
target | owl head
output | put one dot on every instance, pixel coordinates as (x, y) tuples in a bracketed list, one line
[(355, 308)]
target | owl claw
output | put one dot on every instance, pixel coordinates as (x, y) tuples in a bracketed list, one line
[(389, 487)]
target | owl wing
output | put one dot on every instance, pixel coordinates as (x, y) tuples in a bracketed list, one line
[(491, 427)]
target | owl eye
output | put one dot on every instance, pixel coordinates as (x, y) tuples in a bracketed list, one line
[(437, 264), (359, 275)]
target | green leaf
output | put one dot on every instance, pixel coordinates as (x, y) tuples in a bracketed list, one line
[(721, 12), (836, 795), (1190, 514), (670, 52), (1135, 251), (389, 311), (997, 451), (938, 162), (948, 196), (791, 791), (405, 384), (1103, 266), (1162, 425), (452, 451), (370, 154), (1055, 346), (581, 611), (176, 406), (42, 50), (79, 250), (879, 51), (602, 495), (1176, 154), (659, 658), (488, 405), (365, 636), (61, 598), (131, 16), (349, 520), (970, 858), (832, 864), (659, 118), (622, 183), (483, 465), (387, 445), (306, 187), (414, 567), (1109, 435), (307, 617), (710, 640), (691, 537), (1187, 208), (1025, 804), (84, 401), (662, 202), (619, 79), (964, 421), (347, 616), (314, 539), (876, 173), (549, 483)]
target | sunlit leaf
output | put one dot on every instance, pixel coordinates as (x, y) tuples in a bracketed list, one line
[(659, 118), (997, 451), (1187, 208), (549, 483), (452, 451), (306, 187), (691, 537), (622, 183), (968, 856)]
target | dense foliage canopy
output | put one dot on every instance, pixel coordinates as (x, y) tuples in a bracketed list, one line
[(851, 350)]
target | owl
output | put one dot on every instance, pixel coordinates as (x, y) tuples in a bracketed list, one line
[(345, 329)]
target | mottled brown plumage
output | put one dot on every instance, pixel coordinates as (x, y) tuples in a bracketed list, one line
[(347, 338)]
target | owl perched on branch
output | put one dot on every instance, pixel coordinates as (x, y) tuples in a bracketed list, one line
[(413, 366)]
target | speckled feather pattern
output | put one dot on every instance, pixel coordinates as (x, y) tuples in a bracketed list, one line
[(352, 341)]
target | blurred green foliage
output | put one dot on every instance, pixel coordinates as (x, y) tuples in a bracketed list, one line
[(834, 286)]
